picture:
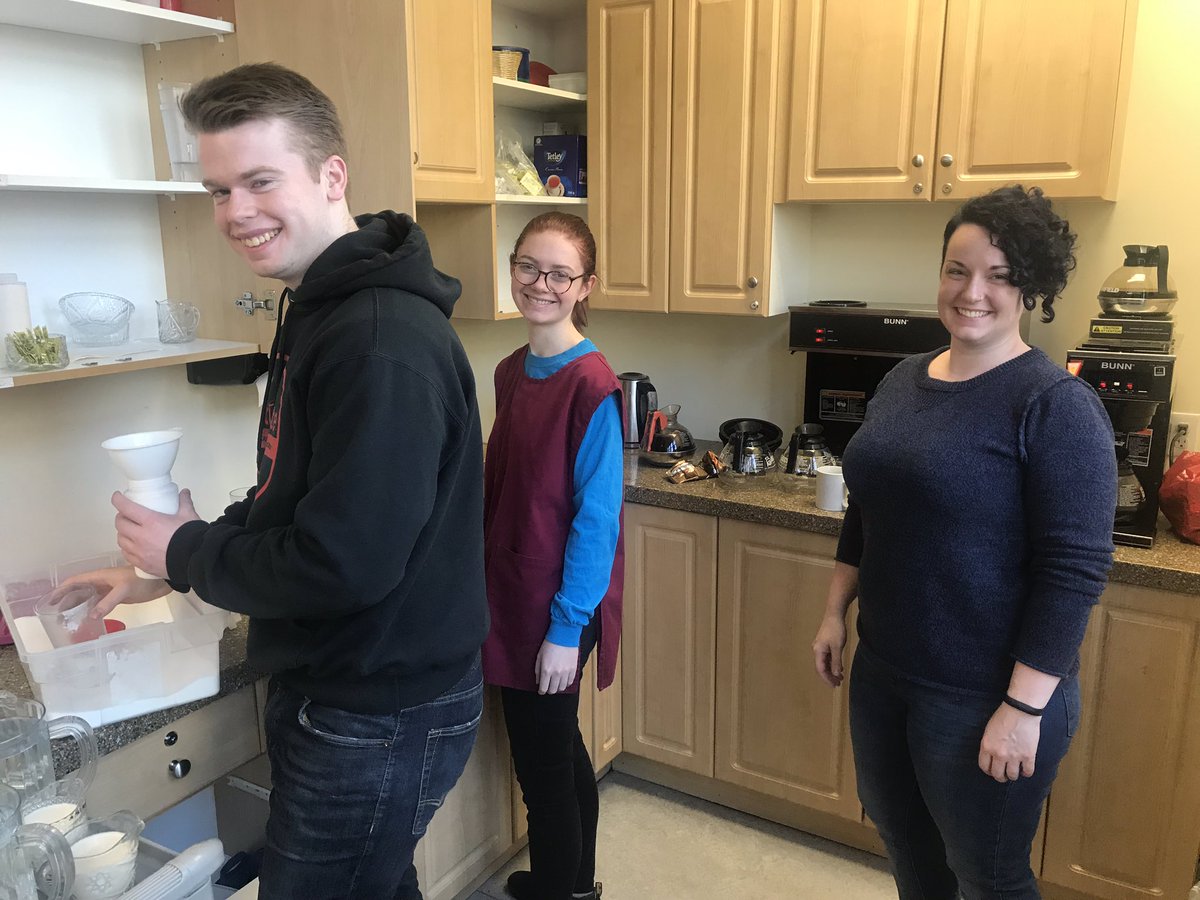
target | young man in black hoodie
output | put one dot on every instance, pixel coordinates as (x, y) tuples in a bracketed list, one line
[(359, 558)]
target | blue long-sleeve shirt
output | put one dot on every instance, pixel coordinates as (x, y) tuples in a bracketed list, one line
[(592, 541), (980, 520)]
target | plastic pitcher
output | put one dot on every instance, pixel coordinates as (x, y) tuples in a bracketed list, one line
[(60, 806), (25, 733), (25, 849), (105, 852)]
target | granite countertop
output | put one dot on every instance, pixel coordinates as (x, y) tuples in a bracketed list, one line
[(1170, 565), (235, 675)]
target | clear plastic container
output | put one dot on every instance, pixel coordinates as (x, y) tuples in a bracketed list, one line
[(166, 653)]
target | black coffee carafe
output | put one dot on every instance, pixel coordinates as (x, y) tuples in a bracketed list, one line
[(807, 450)]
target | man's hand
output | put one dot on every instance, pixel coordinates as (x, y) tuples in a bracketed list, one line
[(143, 534), (120, 585), (555, 667)]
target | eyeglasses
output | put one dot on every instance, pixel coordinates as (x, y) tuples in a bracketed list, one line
[(557, 282)]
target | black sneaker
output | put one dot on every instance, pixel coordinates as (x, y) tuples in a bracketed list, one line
[(520, 886)]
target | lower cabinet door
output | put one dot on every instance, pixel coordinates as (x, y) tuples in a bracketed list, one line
[(667, 633), (1124, 816), (780, 730)]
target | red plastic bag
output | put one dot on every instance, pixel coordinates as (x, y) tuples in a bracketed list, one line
[(1179, 496)]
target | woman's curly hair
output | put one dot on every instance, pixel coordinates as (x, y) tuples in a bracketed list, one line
[(1036, 241)]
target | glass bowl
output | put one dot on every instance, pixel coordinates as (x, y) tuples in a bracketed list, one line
[(95, 319)]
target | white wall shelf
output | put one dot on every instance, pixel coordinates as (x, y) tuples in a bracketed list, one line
[(97, 185), (112, 20), (519, 199), (128, 358), (520, 95)]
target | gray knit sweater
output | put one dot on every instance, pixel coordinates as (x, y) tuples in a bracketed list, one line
[(980, 520)]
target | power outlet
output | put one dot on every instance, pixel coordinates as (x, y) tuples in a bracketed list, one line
[(1190, 421)]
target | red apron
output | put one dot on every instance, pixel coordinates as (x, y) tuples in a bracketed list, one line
[(528, 485)]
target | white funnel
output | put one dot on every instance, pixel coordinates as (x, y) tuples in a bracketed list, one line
[(145, 458)]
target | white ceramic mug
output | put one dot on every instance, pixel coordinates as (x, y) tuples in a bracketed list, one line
[(831, 489)]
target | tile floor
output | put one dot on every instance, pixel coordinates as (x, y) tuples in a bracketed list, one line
[(657, 844)]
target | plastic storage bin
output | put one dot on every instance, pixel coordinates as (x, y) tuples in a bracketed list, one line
[(165, 654)]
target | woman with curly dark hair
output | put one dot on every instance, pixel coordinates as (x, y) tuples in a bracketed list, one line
[(978, 537)]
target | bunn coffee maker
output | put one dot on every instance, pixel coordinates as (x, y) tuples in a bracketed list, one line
[(850, 346), (1128, 356), (1136, 389)]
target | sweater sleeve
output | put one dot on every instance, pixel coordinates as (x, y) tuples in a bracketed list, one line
[(1069, 495), (850, 540), (592, 540), (369, 496)]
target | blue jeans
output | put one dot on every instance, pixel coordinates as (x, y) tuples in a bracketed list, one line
[(949, 828), (352, 794)]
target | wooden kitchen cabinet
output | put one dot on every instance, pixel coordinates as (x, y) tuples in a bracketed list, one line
[(1124, 818), (450, 79), (947, 99), (668, 635), (629, 151), (780, 730), (711, 69)]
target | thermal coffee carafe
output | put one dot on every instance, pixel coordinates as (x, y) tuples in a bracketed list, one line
[(638, 398)]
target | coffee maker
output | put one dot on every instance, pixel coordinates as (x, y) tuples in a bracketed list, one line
[(849, 347), (1128, 357)]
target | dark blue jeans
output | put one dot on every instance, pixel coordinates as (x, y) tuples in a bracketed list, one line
[(352, 794), (949, 828)]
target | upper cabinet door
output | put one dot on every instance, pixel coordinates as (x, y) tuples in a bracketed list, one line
[(1031, 93), (361, 65), (863, 99), (450, 78), (629, 135), (722, 154)]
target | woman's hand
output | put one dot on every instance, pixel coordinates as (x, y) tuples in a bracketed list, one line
[(120, 585), (555, 667), (1009, 744), (827, 648)]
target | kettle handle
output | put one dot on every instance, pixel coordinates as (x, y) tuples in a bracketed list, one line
[(1163, 255)]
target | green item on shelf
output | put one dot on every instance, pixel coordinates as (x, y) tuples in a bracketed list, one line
[(37, 347)]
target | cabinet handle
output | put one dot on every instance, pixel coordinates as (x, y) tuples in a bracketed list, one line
[(170, 738), (179, 767), (754, 304), (918, 188), (947, 160), (946, 188), (416, 158), (751, 282), (918, 161)]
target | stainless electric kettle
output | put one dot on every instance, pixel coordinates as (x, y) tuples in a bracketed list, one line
[(638, 398)]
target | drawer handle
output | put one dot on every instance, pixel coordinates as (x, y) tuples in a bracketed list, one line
[(179, 768), (170, 738)]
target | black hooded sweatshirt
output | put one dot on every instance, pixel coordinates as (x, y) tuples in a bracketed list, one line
[(360, 557)]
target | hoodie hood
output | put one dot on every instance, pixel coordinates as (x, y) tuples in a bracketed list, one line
[(389, 250)]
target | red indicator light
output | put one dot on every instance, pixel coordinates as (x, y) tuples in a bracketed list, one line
[(1103, 384), (820, 340), (820, 331), (1129, 386)]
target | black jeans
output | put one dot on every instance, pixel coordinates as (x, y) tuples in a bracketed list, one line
[(949, 828), (558, 784)]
